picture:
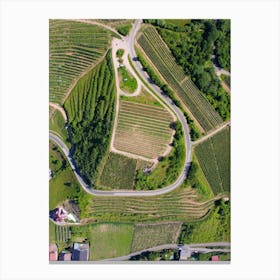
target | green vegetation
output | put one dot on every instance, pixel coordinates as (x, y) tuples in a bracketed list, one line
[(177, 22), (143, 129), (143, 97), (178, 205), (51, 232), (226, 79), (124, 29), (216, 227), (91, 109), (107, 240), (207, 256), (74, 47), (110, 240), (118, 172), (64, 185), (196, 179), (192, 47), (120, 53), (127, 82), (57, 125), (194, 131), (150, 235), (214, 158), (168, 168), (164, 255), (193, 99), (223, 43)]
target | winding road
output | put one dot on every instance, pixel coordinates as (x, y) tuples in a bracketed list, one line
[(129, 40)]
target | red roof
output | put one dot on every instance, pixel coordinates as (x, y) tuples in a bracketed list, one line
[(215, 258), (53, 256)]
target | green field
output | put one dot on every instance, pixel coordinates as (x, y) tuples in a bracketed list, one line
[(127, 82), (91, 111), (110, 240), (143, 97), (214, 158), (118, 172), (57, 126), (178, 22), (74, 47), (149, 235), (158, 53), (215, 228), (143, 129), (178, 205)]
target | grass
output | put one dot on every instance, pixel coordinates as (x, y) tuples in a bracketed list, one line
[(51, 232), (118, 172), (207, 256), (57, 125), (124, 29), (214, 159), (149, 235), (215, 228), (110, 240), (127, 82), (178, 22), (144, 98), (120, 53)]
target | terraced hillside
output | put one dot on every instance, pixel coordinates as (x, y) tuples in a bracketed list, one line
[(178, 205), (74, 47), (143, 129), (158, 53), (214, 158)]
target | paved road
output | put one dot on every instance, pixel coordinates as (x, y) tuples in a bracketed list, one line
[(177, 111), (190, 247)]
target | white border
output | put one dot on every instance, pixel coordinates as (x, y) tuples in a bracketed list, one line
[(24, 138)]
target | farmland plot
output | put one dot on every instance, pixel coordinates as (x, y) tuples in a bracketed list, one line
[(214, 158), (158, 53), (74, 48), (158, 234), (143, 129)]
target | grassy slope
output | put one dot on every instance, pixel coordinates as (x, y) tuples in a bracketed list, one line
[(118, 172), (57, 125), (150, 235), (110, 240), (144, 97), (127, 82)]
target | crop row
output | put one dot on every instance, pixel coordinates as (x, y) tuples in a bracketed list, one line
[(193, 99), (214, 158), (74, 47), (62, 233), (165, 54)]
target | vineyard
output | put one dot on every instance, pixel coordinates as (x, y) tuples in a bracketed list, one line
[(178, 205), (62, 233), (74, 47), (143, 129), (90, 109), (214, 158), (159, 54), (159, 233)]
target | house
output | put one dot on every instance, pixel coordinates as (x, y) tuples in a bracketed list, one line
[(80, 252), (60, 215), (215, 258), (52, 252), (65, 256), (185, 253)]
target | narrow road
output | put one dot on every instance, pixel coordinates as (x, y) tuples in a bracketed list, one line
[(190, 247), (211, 133), (60, 109), (176, 110)]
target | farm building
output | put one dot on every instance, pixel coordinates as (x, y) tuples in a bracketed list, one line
[(65, 256), (80, 252), (60, 215), (215, 258), (52, 252), (184, 254)]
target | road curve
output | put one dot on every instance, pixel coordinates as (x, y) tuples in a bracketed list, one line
[(177, 111)]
